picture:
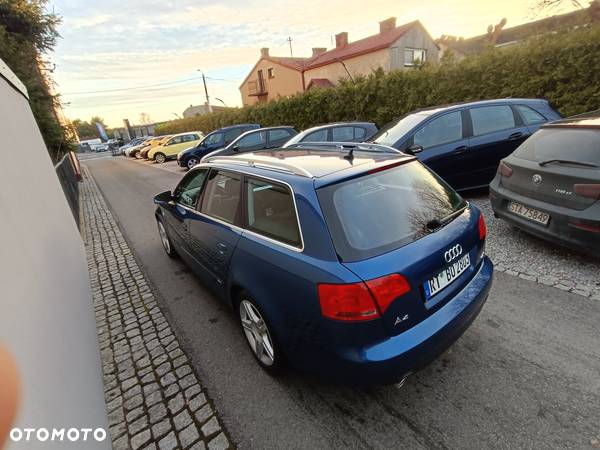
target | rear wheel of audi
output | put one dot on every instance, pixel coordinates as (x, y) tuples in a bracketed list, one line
[(192, 162), (258, 334), (165, 240), (160, 158)]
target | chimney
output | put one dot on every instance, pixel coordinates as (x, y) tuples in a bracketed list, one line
[(387, 25), (318, 50), (264, 52), (341, 39)]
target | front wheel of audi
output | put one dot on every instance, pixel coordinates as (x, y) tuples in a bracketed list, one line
[(165, 240), (258, 334)]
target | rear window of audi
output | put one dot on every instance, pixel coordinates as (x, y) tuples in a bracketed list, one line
[(573, 144), (382, 211)]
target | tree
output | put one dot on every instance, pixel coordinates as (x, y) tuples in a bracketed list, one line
[(551, 4), (88, 130), (26, 33)]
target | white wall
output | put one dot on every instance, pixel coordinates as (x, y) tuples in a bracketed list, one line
[(46, 311)]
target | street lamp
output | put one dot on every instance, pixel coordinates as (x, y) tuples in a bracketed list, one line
[(217, 98), (177, 115)]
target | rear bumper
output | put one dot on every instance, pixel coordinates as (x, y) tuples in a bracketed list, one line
[(391, 360), (558, 229)]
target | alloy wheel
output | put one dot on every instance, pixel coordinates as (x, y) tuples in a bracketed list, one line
[(257, 333), (164, 238), (159, 158), (192, 162)]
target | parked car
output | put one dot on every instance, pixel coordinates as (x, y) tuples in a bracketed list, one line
[(464, 143), (160, 140), (213, 141), (335, 132), (132, 143), (253, 140), (172, 146), (360, 266), (134, 151), (550, 185)]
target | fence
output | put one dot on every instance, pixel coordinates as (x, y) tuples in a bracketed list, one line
[(68, 171)]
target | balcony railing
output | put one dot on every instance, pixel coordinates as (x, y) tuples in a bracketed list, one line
[(257, 87)]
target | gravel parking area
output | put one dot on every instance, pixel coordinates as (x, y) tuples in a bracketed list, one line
[(521, 254), (153, 396)]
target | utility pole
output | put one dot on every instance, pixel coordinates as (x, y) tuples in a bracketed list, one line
[(206, 91), (289, 39)]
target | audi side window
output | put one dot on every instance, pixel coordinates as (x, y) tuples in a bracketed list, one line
[(441, 130), (189, 189), (271, 212), (222, 197)]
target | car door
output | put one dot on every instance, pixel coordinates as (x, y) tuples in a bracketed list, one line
[(215, 232), (443, 142), (276, 138), (183, 206), (496, 131)]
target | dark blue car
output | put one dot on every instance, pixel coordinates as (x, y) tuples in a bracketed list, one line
[(358, 264), (464, 143), (214, 140)]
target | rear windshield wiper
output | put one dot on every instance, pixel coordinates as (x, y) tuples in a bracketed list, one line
[(566, 161), (434, 224)]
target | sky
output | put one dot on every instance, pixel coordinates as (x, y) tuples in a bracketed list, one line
[(119, 59)]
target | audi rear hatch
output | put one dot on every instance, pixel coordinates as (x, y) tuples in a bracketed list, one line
[(412, 239)]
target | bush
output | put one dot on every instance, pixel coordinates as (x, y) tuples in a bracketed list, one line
[(564, 68)]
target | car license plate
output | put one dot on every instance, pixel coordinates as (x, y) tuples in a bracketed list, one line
[(528, 213), (446, 276)]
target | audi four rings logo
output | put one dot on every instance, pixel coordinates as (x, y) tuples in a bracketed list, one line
[(453, 253)]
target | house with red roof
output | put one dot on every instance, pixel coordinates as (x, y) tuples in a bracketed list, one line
[(393, 48)]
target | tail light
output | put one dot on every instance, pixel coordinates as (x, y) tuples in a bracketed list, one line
[(591, 227), (504, 169), (587, 190), (357, 302), (482, 228)]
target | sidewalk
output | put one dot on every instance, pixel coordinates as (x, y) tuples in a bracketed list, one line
[(153, 397)]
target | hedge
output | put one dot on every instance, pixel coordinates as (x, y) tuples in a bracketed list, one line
[(563, 67)]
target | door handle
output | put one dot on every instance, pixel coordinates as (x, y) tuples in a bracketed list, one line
[(459, 150), (222, 248), (514, 136)]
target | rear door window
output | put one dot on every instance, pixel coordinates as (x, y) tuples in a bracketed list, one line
[(271, 211), (572, 144), (379, 212), (341, 134), (222, 197), (487, 119), (359, 133), (441, 130)]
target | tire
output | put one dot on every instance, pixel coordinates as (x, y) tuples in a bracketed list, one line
[(160, 157), (165, 240), (192, 162), (259, 336), (136, 155)]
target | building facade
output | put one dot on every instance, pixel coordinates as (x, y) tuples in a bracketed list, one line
[(393, 48)]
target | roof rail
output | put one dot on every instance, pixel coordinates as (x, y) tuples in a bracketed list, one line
[(252, 162), (345, 146)]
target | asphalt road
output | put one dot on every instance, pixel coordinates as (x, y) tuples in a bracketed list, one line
[(525, 375)]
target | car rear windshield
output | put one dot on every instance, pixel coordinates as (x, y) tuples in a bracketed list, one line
[(385, 210), (572, 144)]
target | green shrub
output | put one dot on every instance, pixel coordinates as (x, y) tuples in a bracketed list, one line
[(564, 68)]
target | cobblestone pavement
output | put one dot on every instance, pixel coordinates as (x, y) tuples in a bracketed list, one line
[(518, 253), (153, 397)]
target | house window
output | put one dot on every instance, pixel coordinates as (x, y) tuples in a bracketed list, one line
[(413, 56), (271, 73)]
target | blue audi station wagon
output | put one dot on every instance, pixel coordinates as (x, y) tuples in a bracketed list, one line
[(359, 265)]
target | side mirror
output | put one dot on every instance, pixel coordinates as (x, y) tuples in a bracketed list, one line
[(414, 149), (163, 197), (236, 148)]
